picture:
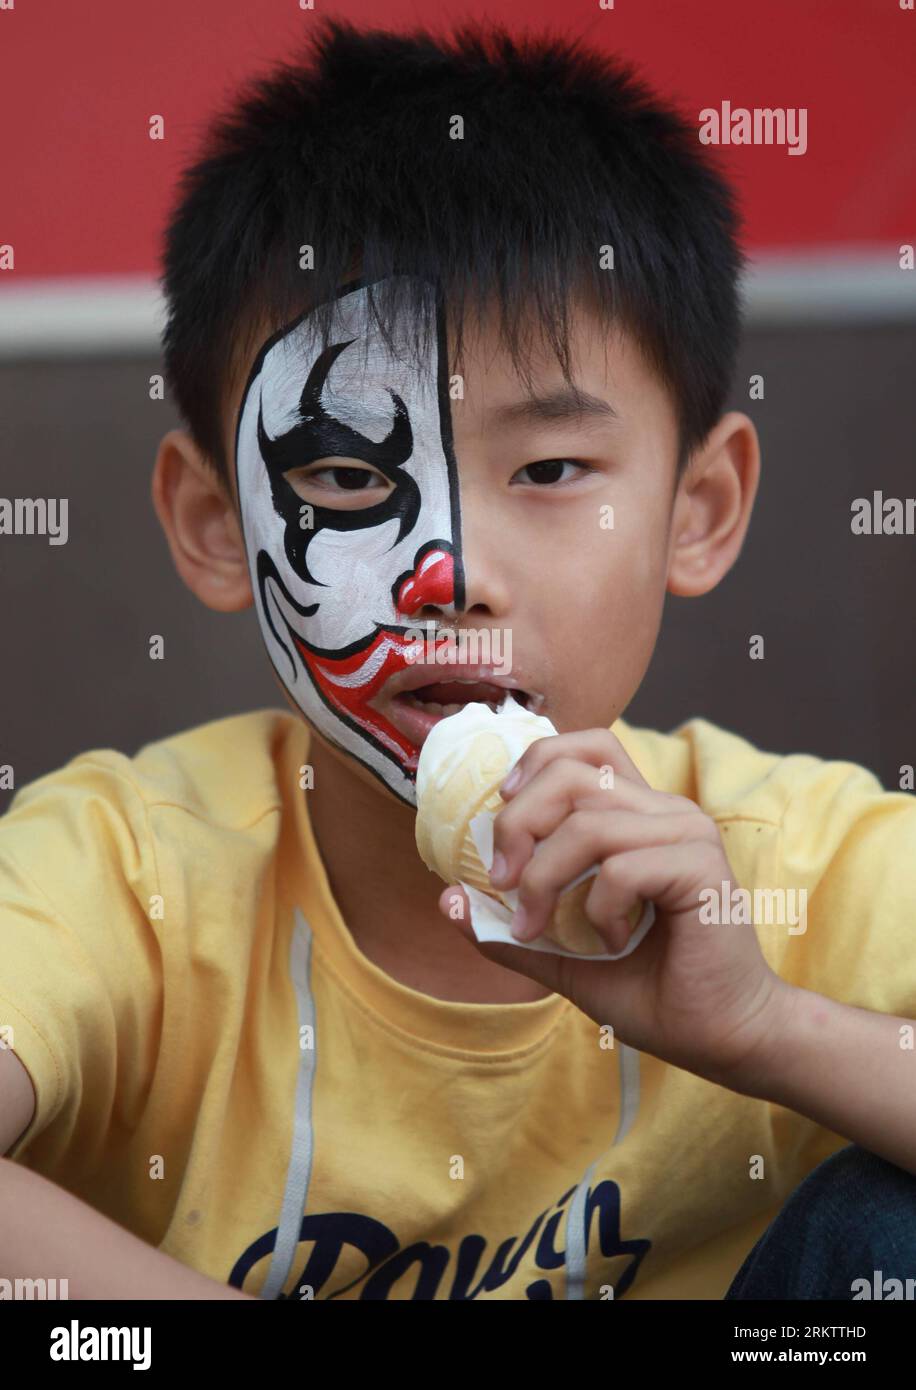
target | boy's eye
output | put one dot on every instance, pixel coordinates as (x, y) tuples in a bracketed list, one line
[(547, 471), (336, 480), (344, 481)]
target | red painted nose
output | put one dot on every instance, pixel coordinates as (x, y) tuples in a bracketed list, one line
[(433, 581)]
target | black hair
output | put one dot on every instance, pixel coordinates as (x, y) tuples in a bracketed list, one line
[(349, 150)]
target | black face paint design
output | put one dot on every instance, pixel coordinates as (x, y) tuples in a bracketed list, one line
[(336, 596), (320, 436)]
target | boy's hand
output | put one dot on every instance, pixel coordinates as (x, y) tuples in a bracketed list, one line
[(697, 995)]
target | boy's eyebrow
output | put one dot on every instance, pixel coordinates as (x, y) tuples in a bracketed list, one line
[(557, 407)]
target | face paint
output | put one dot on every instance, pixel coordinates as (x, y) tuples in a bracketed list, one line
[(336, 598)]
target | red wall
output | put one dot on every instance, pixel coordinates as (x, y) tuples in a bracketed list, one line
[(83, 190)]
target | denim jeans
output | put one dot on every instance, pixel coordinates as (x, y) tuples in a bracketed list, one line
[(853, 1217)]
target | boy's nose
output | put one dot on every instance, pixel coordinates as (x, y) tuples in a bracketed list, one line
[(433, 581)]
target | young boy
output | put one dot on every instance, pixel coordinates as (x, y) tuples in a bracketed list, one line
[(452, 329)]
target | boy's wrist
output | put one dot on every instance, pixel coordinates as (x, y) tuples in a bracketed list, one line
[(765, 1071)]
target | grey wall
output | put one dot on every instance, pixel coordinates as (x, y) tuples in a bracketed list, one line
[(836, 610)]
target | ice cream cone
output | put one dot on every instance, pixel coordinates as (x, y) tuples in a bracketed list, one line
[(463, 762)]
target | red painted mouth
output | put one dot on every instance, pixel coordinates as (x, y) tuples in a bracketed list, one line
[(401, 724), (398, 722), (349, 684)]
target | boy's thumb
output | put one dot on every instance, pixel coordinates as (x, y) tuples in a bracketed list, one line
[(455, 905), (537, 965)]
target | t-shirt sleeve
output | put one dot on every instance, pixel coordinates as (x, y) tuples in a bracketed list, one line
[(849, 846), (852, 846), (80, 977)]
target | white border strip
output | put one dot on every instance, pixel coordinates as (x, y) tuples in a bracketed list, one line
[(80, 317), (830, 286), (102, 315)]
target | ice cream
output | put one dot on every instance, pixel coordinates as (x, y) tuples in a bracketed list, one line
[(463, 761)]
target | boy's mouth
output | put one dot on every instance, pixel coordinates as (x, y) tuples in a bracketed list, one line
[(417, 710), (450, 697), (396, 702)]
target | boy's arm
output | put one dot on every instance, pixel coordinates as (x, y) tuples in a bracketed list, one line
[(17, 1099), (851, 1070), (47, 1233)]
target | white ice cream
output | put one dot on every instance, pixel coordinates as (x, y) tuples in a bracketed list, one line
[(446, 744), (442, 755)]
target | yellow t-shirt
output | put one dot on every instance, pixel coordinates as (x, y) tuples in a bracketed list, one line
[(222, 1071)]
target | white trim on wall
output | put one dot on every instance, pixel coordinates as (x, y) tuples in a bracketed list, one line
[(830, 286), (112, 314), (82, 316)]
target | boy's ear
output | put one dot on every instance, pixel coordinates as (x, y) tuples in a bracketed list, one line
[(712, 506), (198, 515)]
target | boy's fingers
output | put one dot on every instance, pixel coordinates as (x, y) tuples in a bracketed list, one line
[(455, 905), (586, 838), (453, 901), (562, 787), (599, 747)]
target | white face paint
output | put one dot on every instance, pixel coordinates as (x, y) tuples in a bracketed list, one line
[(335, 600)]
